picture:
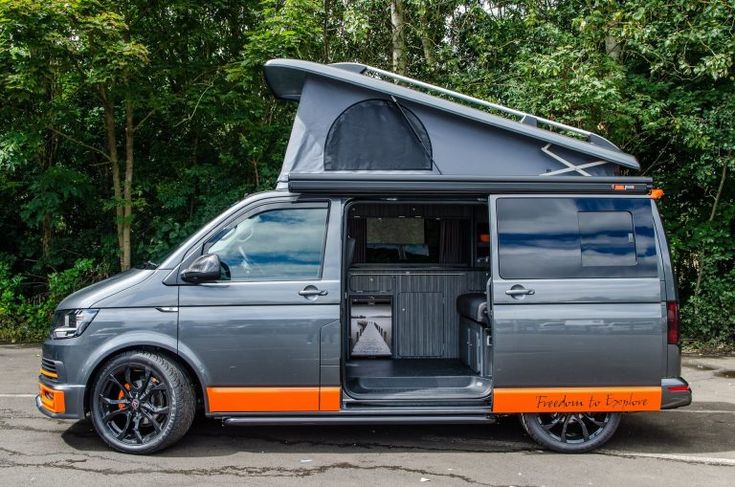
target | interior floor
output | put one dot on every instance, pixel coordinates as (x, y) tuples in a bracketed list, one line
[(414, 379), (417, 367)]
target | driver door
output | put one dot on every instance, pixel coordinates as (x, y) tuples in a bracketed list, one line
[(256, 331)]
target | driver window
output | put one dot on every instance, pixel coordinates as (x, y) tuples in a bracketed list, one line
[(284, 244)]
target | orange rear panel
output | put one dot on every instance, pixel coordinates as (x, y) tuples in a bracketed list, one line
[(576, 399)]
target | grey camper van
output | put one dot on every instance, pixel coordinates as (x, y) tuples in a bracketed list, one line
[(421, 260)]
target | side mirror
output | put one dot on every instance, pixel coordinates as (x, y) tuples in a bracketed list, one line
[(204, 269)]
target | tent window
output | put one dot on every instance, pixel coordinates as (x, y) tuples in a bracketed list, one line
[(377, 135)]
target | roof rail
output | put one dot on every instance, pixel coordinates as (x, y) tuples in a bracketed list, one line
[(525, 118)]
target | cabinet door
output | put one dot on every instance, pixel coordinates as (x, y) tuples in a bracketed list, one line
[(420, 325)]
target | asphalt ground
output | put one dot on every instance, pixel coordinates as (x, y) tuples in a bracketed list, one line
[(689, 446)]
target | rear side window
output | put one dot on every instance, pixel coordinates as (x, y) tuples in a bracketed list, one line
[(607, 238), (548, 238)]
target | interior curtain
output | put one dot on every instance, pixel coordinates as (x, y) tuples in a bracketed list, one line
[(451, 246), (357, 229)]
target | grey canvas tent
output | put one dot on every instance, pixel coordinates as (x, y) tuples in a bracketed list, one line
[(360, 124)]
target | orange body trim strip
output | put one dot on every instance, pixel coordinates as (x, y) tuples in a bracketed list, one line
[(47, 373), (330, 398), (273, 399), (576, 399), (51, 399)]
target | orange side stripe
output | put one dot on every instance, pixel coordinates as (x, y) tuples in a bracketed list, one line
[(48, 373), (52, 400), (330, 398), (576, 399), (275, 399)]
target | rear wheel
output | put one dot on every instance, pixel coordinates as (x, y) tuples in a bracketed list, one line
[(141, 402), (571, 432)]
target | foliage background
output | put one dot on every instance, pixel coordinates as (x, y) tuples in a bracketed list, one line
[(169, 95)]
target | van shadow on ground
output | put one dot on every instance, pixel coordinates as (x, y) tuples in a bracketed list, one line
[(671, 432)]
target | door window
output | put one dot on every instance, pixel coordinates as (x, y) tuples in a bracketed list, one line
[(556, 238), (282, 244)]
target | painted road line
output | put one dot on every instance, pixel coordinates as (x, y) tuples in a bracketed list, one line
[(721, 462), (698, 411)]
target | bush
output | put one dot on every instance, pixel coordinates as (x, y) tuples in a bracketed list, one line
[(27, 319), (708, 319)]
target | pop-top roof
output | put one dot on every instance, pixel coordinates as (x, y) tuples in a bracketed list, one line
[(351, 120)]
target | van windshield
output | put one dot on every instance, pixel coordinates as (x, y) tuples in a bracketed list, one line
[(161, 251), (159, 256)]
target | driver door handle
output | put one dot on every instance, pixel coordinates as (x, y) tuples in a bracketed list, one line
[(313, 291)]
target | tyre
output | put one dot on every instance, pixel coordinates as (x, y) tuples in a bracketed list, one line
[(141, 402), (571, 432)]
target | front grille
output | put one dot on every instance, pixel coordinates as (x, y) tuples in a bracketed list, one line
[(49, 369)]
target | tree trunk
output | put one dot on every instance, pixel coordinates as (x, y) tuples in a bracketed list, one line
[(109, 118), (47, 160), (426, 42), (47, 157), (398, 24), (428, 51), (254, 162), (712, 214), (612, 47), (128, 186), (325, 31)]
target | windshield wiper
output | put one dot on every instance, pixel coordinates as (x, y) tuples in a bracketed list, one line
[(147, 265)]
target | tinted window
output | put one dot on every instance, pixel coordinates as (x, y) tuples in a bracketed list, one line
[(546, 238), (278, 244), (607, 238)]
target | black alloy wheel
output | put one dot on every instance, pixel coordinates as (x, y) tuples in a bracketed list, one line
[(571, 432), (135, 403), (141, 402)]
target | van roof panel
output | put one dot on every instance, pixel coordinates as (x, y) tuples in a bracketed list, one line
[(463, 140)]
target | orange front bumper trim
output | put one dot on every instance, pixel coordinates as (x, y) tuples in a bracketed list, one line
[(51, 399)]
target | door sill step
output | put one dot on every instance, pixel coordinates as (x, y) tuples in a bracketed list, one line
[(358, 420)]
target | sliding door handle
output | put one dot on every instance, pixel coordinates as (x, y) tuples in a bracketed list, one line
[(312, 291), (519, 290)]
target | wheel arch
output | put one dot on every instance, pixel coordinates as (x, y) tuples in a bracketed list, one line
[(171, 353)]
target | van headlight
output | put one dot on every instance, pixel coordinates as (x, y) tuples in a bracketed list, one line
[(70, 323)]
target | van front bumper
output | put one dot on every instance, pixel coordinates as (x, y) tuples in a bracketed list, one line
[(60, 401), (675, 393)]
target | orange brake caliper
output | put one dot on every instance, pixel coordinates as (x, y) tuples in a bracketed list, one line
[(121, 395)]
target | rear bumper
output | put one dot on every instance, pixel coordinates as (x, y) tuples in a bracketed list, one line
[(675, 393)]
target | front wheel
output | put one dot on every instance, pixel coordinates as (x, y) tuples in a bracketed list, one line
[(141, 402), (571, 432)]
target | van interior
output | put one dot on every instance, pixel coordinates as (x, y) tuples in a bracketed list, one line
[(417, 324)]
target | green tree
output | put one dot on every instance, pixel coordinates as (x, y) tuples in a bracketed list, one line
[(125, 125)]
